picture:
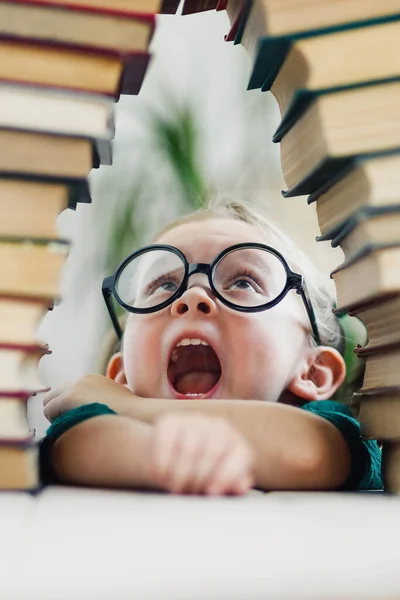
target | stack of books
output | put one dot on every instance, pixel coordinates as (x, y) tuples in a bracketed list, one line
[(63, 65), (334, 69)]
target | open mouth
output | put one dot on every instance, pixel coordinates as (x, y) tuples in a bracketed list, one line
[(193, 368)]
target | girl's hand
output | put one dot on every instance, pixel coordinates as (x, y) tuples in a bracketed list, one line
[(199, 454), (88, 389)]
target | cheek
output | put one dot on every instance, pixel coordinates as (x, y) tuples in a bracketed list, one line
[(263, 351), (141, 352)]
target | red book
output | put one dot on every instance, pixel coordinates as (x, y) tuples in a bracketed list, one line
[(123, 33), (72, 67), (19, 370), (235, 10), (195, 6), (130, 7)]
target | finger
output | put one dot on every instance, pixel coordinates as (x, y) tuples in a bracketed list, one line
[(244, 485), (50, 410), (49, 396), (186, 455), (208, 463), (241, 486), (53, 409), (164, 446), (228, 478)]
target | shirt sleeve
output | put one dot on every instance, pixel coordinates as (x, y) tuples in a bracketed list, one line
[(366, 456), (59, 426)]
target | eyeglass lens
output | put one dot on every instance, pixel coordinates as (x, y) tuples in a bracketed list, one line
[(246, 277)]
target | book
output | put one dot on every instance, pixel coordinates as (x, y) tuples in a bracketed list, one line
[(379, 413), (371, 183), (86, 70), (195, 6), (29, 209), (126, 6), (19, 466), (135, 69), (390, 466), (78, 188), (366, 230), (45, 154), (119, 32), (31, 270), (320, 64), (19, 321), (235, 9), (13, 420), (272, 25), (333, 131), (375, 275), (382, 320), (19, 375), (52, 111), (382, 369)]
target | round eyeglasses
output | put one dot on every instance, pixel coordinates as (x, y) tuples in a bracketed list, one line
[(247, 277)]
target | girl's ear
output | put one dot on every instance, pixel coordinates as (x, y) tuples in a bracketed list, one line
[(319, 375), (115, 369)]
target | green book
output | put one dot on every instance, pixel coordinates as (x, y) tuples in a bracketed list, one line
[(304, 98), (320, 65), (337, 234), (269, 51)]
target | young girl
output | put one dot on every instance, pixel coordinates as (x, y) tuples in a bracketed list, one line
[(230, 356)]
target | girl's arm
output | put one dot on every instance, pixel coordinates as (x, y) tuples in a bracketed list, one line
[(105, 451), (294, 449), (182, 453)]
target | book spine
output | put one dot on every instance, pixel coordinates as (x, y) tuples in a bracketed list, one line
[(195, 6), (169, 7), (79, 8), (21, 394), (376, 349), (321, 176), (134, 74), (358, 160), (29, 349), (303, 98), (377, 391), (90, 50), (273, 49)]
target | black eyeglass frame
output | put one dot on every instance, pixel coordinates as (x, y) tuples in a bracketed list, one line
[(293, 281)]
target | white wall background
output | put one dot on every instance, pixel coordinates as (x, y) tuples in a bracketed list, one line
[(191, 64)]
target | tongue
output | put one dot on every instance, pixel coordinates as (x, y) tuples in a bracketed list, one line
[(196, 382)]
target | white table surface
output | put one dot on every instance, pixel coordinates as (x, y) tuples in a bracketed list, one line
[(70, 543)]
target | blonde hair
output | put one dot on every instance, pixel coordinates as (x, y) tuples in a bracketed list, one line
[(322, 301)]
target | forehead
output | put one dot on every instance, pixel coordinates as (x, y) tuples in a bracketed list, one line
[(202, 240)]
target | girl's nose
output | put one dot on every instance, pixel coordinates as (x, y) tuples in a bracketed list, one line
[(195, 300)]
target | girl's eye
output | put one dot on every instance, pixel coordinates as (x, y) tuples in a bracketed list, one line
[(167, 286), (242, 284), (246, 282), (161, 284)]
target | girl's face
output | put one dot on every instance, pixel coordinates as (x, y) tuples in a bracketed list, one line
[(243, 355)]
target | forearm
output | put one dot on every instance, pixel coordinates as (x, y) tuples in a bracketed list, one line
[(294, 449), (106, 451)]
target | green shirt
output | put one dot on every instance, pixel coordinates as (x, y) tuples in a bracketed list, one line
[(365, 454)]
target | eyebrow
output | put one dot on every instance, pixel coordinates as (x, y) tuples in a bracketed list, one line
[(264, 265)]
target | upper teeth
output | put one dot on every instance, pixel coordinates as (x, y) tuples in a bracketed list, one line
[(191, 342)]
